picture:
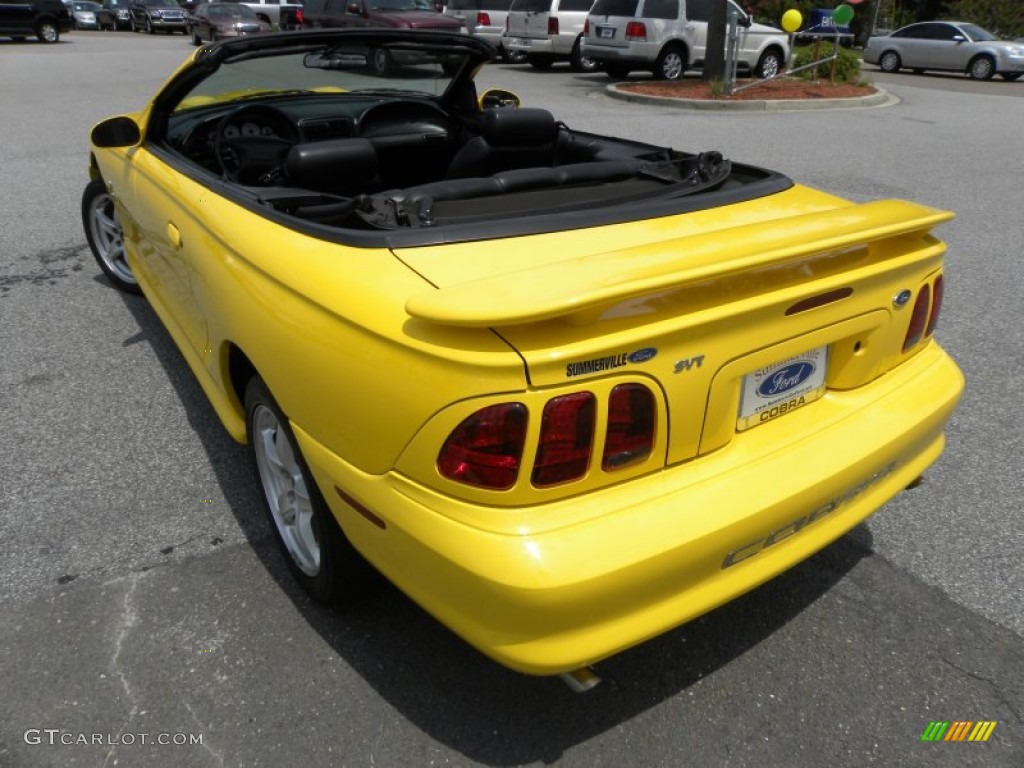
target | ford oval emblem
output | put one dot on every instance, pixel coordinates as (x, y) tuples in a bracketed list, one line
[(642, 355), (785, 379), (902, 297)]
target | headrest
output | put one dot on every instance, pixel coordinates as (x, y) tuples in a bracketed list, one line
[(518, 127), (340, 166)]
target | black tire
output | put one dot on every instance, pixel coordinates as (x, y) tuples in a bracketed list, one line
[(1011, 76), (47, 31), (580, 63), (890, 61), (149, 26), (671, 63), (103, 233), (616, 71), (321, 559), (981, 68), (196, 39), (542, 63), (770, 64)]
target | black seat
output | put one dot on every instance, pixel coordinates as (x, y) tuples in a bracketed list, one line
[(343, 167), (508, 139)]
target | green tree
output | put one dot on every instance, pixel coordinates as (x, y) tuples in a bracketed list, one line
[(1002, 17)]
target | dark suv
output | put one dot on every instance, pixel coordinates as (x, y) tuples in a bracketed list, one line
[(158, 15), (45, 19), (410, 14)]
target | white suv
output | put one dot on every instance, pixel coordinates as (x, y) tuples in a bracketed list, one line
[(670, 36), (546, 31)]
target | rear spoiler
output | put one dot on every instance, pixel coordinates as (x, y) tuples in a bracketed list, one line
[(544, 293)]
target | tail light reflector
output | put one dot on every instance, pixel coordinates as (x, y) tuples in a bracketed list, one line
[(298, 16), (933, 318), (483, 19), (630, 435), (552, 25), (586, 28), (486, 449), (636, 31), (566, 439), (918, 318)]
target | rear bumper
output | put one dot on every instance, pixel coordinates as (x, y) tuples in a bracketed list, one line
[(660, 550)]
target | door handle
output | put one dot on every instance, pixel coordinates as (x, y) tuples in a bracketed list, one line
[(174, 236)]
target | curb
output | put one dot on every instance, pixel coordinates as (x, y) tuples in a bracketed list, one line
[(881, 98)]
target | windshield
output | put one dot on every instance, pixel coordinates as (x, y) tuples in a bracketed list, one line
[(231, 11), (418, 69), (977, 34), (401, 5)]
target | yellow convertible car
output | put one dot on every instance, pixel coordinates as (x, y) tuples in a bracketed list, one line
[(565, 390)]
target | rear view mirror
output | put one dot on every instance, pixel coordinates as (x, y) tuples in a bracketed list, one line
[(496, 98)]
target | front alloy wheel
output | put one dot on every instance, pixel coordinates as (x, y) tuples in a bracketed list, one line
[(103, 233), (317, 553), (769, 65), (982, 68), (47, 32)]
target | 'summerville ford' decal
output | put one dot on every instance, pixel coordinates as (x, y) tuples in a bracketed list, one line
[(609, 362)]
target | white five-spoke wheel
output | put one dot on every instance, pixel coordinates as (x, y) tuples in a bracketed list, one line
[(103, 233), (319, 556)]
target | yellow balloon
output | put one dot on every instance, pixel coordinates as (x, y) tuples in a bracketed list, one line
[(792, 20)]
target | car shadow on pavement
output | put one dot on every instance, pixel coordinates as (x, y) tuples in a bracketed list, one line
[(454, 694)]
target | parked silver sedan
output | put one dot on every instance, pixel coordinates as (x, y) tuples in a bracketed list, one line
[(947, 45)]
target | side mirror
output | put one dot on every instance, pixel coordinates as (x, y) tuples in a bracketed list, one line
[(355, 8), (745, 21), (116, 132), (496, 98), (959, 39)]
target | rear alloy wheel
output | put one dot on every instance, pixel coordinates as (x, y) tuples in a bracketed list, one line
[(981, 68), (149, 26), (578, 61), (671, 64), (380, 61), (47, 32), (890, 62), (769, 65), (319, 556), (103, 233)]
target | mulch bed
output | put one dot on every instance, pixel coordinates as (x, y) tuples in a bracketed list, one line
[(782, 88)]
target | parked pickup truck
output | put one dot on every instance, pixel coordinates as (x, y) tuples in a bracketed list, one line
[(284, 15)]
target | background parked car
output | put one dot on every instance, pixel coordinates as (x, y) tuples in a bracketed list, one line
[(953, 46), (546, 31), (120, 11), (409, 14), (484, 19), (84, 14), (670, 36), (212, 21), (158, 15), (46, 19)]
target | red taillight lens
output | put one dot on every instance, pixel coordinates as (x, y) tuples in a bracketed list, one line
[(630, 436), (486, 449), (586, 28), (552, 25), (483, 19), (566, 439), (918, 318), (636, 30), (298, 15), (933, 318)]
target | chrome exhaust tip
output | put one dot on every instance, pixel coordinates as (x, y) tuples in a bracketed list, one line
[(580, 680)]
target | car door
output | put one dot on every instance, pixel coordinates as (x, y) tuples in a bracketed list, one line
[(16, 16), (949, 47)]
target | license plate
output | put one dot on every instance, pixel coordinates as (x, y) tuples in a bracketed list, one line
[(782, 387), (606, 33)]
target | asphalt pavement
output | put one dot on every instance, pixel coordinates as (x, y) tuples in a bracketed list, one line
[(147, 620)]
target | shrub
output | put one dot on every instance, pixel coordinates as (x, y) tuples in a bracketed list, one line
[(847, 64)]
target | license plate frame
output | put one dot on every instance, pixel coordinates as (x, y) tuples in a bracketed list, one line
[(777, 389), (606, 33)]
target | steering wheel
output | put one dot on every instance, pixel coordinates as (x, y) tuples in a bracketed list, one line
[(250, 143)]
